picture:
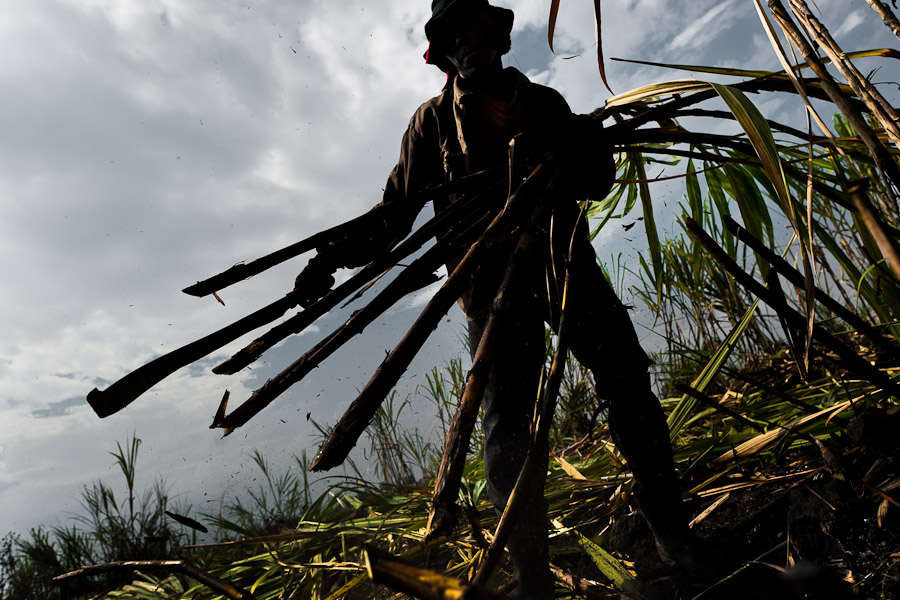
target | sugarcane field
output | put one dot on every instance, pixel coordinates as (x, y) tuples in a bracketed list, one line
[(710, 413)]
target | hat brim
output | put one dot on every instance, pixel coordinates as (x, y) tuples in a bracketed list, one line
[(502, 17)]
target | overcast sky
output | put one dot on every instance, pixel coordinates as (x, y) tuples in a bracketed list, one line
[(147, 144)]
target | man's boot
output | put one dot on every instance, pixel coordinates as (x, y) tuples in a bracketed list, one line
[(529, 552), (665, 515), (638, 428)]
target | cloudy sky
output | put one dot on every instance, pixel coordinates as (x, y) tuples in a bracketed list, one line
[(145, 145)]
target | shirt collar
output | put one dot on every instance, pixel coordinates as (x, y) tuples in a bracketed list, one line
[(461, 95)]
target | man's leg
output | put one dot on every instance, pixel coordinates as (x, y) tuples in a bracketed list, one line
[(509, 400), (604, 340)]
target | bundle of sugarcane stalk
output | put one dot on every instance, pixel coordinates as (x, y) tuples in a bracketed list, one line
[(467, 223)]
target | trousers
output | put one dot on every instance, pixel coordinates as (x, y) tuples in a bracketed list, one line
[(603, 339)]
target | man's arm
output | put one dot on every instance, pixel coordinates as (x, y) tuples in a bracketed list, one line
[(392, 219), (583, 150), (586, 157)]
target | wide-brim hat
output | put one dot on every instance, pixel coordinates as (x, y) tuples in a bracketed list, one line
[(502, 17), (440, 9)]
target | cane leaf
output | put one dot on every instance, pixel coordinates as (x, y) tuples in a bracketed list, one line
[(681, 414), (551, 25), (695, 202), (649, 222), (611, 568), (732, 72), (666, 88), (599, 40)]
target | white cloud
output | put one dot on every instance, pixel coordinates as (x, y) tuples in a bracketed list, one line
[(702, 30), (851, 22)]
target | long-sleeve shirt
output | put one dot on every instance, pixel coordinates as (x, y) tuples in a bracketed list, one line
[(459, 132)]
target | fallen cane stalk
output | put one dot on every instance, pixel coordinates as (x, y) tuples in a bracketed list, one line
[(360, 412), (854, 362), (421, 583), (227, 589)]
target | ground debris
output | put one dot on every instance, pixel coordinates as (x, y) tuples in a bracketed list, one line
[(795, 529)]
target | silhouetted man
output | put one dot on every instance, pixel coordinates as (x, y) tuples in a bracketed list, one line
[(467, 128)]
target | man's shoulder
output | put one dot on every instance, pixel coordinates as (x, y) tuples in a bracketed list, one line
[(432, 108), (536, 92), (437, 102)]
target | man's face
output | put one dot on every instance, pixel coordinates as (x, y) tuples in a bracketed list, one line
[(471, 43)]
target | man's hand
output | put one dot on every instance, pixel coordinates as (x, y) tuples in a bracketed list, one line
[(585, 157), (315, 280)]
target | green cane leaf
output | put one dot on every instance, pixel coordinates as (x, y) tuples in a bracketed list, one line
[(611, 568), (695, 202), (649, 222)]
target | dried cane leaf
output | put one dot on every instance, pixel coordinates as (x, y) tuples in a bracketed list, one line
[(599, 36), (551, 26), (758, 443), (882, 513), (568, 468), (709, 509), (665, 88)]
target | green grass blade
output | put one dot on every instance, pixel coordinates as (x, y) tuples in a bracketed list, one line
[(715, 186), (681, 414), (752, 206), (695, 202), (649, 222), (611, 568)]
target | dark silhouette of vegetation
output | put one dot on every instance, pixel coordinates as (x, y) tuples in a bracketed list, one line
[(109, 527)]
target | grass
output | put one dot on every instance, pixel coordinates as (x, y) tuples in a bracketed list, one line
[(285, 542), (109, 527)]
